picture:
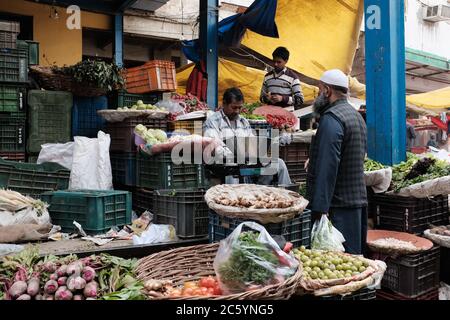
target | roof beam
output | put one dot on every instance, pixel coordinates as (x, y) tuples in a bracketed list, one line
[(125, 5)]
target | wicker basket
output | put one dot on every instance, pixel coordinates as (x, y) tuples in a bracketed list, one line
[(192, 263), (49, 80)]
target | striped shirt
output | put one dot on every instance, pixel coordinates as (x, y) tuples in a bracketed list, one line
[(286, 84)]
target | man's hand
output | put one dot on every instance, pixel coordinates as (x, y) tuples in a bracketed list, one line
[(275, 98)]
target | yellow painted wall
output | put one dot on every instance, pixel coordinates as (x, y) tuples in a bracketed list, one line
[(58, 44)]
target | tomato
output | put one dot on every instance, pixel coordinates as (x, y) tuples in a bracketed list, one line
[(191, 284), (187, 292), (204, 291), (217, 290), (197, 292), (203, 282), (210, 282), (210, 291)]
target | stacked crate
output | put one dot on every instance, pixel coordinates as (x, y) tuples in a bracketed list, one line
[(13, 78), (295, 156)]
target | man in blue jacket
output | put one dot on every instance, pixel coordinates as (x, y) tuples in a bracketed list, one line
[(335, 180)]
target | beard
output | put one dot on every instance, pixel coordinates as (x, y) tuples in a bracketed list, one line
[(320, 104)]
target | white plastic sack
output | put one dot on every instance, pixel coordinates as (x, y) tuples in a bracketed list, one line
[(426, 189), (324, 236), (91, 166), (379, 180), (61, 153), (6, 249), (155, 233), (26, 216)]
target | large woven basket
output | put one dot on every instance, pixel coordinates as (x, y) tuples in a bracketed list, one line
[(49, 80), (192, 263)]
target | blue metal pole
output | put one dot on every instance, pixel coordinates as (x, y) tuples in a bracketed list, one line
[(209, 19), (118, 39), (385, 80)]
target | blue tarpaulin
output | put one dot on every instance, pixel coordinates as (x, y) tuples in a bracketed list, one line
[(259, 18)]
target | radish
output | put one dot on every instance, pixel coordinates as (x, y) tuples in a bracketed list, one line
[(49, 266), (74, 268), (39, 297), (62, 281), (49, 297), (88, 274), (78, 297), (90, 291), (24, 297), (17, 289), (33, 287), (75, 282), (54, 276), (91, 299), (51, 286), (63, 294), (62, 271)]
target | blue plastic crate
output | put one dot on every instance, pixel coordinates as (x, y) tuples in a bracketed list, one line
[(85, 120)]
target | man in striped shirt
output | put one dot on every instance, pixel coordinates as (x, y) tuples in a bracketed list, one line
[(281, 87)]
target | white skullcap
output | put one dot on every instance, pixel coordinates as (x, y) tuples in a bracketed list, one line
[(335, 77)]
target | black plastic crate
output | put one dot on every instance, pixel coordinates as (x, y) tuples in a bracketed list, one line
[(12, 131), (143, 200), (9, 30), (123, 167), (445, 265), (185, 209), (296, 230), (14, 63), (411, 275), (362, 294), (407, 214), (294, 152)]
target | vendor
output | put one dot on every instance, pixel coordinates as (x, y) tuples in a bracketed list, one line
[(281, 86), (227, 123), (432, 142)]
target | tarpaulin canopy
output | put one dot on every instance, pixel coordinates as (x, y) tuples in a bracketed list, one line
[(320, 34), (259, 17), (232, 74), (438, 99)]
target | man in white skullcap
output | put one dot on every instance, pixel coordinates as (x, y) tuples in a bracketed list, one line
[(335, 180)]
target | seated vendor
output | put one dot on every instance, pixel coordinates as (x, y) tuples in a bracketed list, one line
[(227, 123)]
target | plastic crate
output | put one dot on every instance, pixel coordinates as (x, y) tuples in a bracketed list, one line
[(294, 152), (50, 114), (12, 131), (143, 200), (411, 275), (363, 294), (296, 230), (122, 98), (297, 172), (191, 126), (445, 265), (12, 98), (156, 75), (9, 30), (186, 210), (159, 172), (433, 294), (85, 120), (262, 129), (407, 214), (33, 179), (33, 52), (124, 168), (122, 133), (14, 63), (96, 211), (13, 156), (32, 158)]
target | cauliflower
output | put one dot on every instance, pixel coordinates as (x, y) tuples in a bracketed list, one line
[(140, 102), (160, 135), (140, 130)]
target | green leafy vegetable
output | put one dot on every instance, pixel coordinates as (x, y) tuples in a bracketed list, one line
[(372, 165)]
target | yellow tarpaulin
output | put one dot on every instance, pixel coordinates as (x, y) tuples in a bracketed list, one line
[(438, 99), (232, 74), (320, 34)]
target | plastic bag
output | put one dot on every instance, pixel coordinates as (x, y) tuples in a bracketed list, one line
[(6, 249), (155, 233), (171, 106), (61, 153), (324, 236), (91, 167), (28, 215), (249, 260)]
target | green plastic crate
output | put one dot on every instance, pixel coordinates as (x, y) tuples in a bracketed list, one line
[(14, 63), (121, 98), (33, 179), (12, 131), (12, 98), (159, 172), (50, 118), (96, 211), (33, 52)]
